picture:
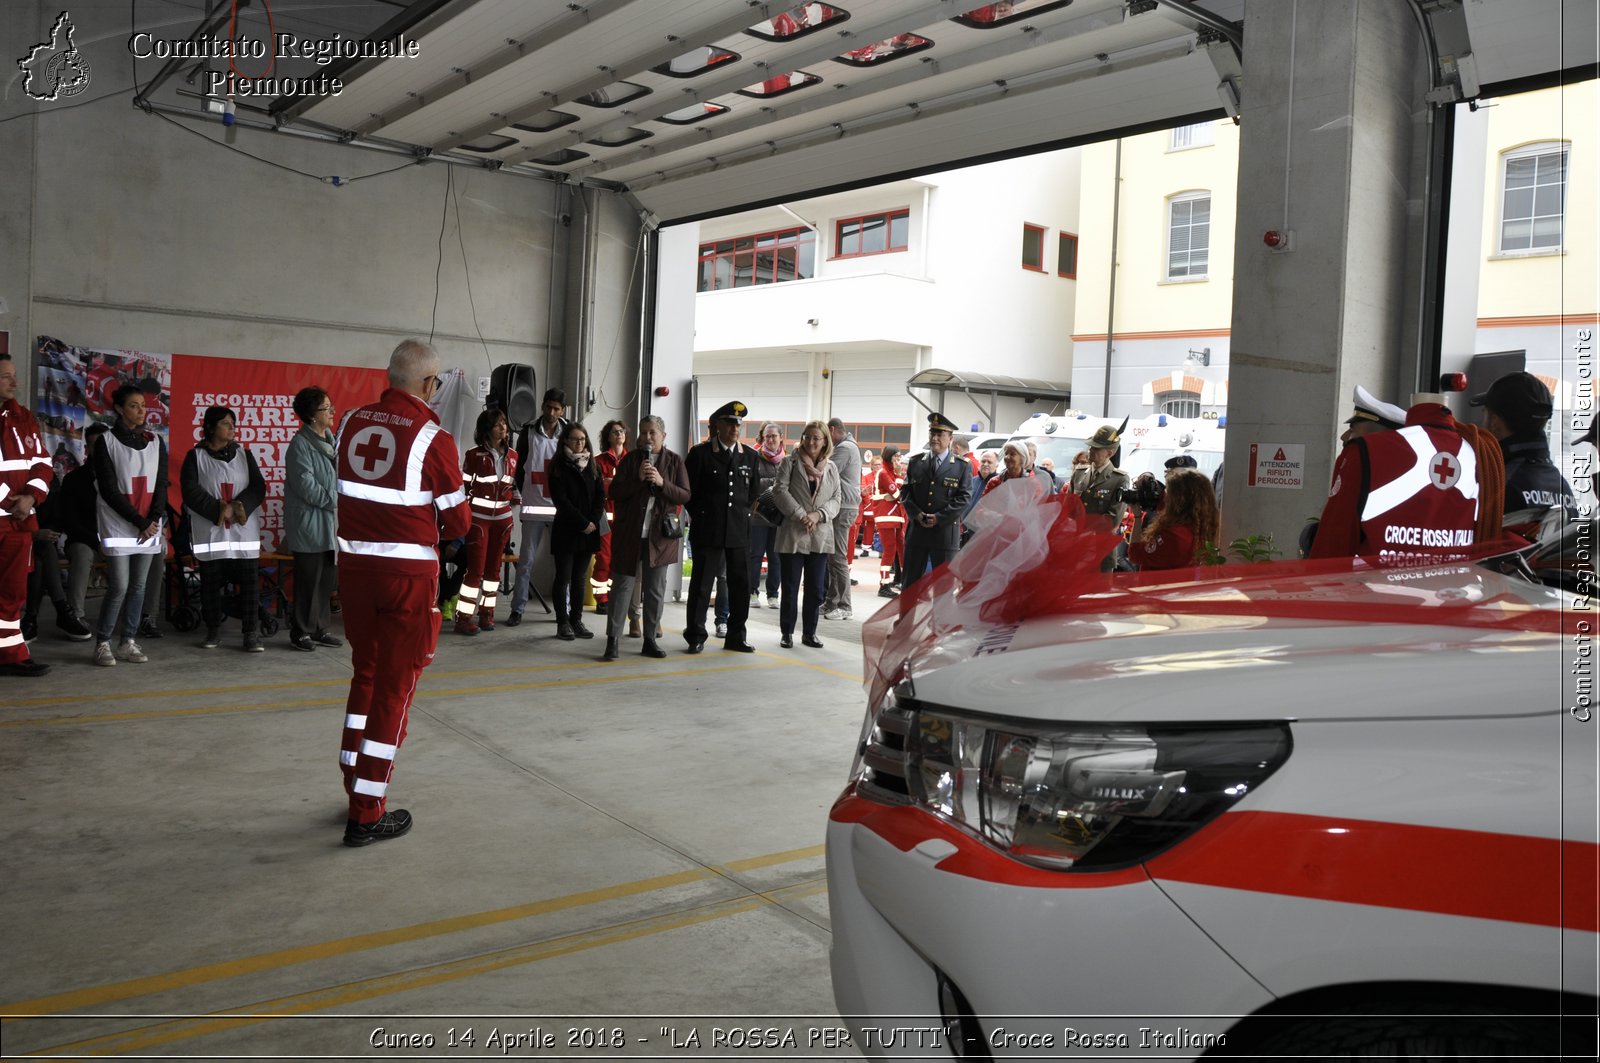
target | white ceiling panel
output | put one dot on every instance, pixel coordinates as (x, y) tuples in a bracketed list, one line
[(1056, 72)]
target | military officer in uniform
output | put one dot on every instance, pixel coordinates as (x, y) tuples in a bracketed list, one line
[(1101, 484), (937, 489), (723, 483)]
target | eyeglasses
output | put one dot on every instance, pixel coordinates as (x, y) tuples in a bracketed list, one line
[(432, 380), (324, 409)]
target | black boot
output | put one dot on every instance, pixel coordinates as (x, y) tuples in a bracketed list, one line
[(611, 650)]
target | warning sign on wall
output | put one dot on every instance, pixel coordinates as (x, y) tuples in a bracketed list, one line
[(1278, 465)]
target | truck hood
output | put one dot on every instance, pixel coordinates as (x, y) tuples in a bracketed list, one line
[(1185, 665)]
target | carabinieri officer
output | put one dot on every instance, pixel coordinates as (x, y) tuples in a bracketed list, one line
[(724, 480), (938, 486)]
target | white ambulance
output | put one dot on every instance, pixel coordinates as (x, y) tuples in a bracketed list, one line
[(1147, 442), (1341, 816)]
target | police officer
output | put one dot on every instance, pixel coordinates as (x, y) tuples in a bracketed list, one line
[(723, 482), (1519, 409), (1101, 484), (938, 487)]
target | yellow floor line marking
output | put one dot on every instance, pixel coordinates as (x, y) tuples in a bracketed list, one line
[(454, 692), (405, 981), (267, 961), (770, 859)]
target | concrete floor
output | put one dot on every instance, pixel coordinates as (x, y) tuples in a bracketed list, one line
[(620, 840)]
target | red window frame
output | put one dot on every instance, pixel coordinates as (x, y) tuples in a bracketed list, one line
[(1029, 227), (1062, 256), (888, 217), (750, 244)]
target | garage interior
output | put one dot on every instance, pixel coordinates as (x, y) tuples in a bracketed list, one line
[(640, 839)]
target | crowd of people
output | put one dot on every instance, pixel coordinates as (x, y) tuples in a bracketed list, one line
[(381, 506)]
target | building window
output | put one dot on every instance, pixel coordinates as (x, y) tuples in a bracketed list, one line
[(1033, 247), (694, 63), (1188, 236), (1534, 201), (1178, 403), (778, 84), (872, 234), (1193, 136), (695, 112), (765, 258), (615, 94), (990, 15), (1067, 256)]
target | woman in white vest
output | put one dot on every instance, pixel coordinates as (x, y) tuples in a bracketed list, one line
[(130, 472), (223, 490)]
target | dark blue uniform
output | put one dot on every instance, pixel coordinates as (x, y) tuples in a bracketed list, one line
[(941, 487), (1532, 480), (723, 484)]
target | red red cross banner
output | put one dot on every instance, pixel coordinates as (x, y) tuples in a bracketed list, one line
[(262, 394)]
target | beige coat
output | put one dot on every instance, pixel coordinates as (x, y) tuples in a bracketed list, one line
[(791, 491)]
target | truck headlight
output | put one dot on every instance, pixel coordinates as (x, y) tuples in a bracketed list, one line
[(1082, 797)]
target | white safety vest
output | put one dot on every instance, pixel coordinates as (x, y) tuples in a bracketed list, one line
[(224, 481), (136, 478)]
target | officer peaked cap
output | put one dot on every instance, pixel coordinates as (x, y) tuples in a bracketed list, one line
[(938, 422), (1369, 408), (733, 411)]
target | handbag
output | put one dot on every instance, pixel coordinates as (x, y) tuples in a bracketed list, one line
[(671, 526), (768, 510)]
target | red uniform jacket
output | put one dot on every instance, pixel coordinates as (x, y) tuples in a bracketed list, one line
[(1403, 497), (1173, 548), (399, 483), (885, 506), (491, 493), (24, 463)]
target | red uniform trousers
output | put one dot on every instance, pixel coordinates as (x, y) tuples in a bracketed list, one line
[(600, 580), (861, 530), (393, 628), (892, 534), (16, 561), (486, 548)]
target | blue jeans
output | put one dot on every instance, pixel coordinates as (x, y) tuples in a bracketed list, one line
[(814, 569), (534, 533), (125, 578)]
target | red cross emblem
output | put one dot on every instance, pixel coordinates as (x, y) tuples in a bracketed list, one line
[(372, 452), (1444, 470), (141, 491)]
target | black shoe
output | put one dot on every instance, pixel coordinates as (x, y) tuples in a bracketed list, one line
[(392, 825), (695, 647), (787, 642), (72, 626), (579, 630), (28, 669), (514, 619), (652, 650), (812, 641), (302, 642), (252, 643), (30, 629), (738, 646), (612, 651), (333, 642), (887, 591), (148, 629)]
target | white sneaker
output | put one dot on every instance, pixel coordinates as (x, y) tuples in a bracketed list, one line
[(103, 655), (129, 651), (772, 601), (755, 600), (836, 614)]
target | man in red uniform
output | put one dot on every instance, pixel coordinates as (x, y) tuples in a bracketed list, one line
[(25, 475), (1408, 496), (399, 487)]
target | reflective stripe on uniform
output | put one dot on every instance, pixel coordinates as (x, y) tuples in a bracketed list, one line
[(1411, 483), (413, 551), (538, 511), (454, 498), (39, 484), (15, 464), (355, 723), (381, 750), (370, 788), (208, 551), (419, 452), (11, 640), (346, 757), (389, 495)]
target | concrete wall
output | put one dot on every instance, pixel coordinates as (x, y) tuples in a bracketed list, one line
[(123, 229), (601, 369)]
